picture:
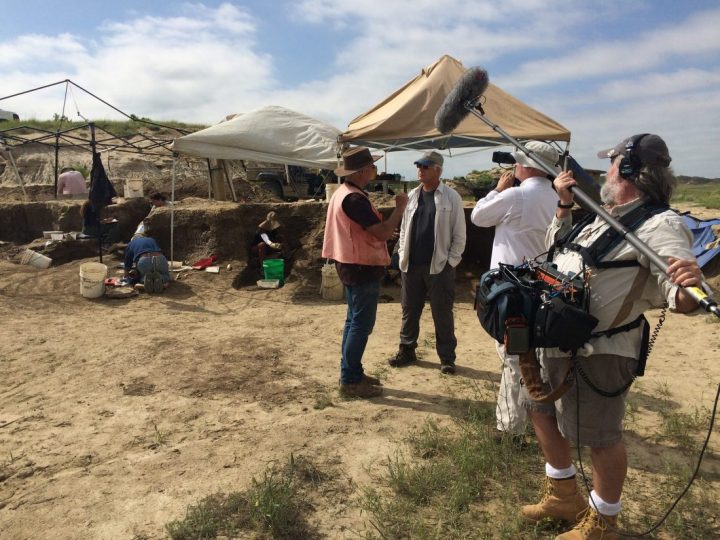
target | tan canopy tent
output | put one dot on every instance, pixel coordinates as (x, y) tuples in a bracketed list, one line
[(404, 120)]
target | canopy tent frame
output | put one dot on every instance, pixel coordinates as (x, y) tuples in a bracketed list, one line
[(13, 138)]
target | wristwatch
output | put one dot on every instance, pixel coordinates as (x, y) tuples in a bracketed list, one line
[(566, 206)]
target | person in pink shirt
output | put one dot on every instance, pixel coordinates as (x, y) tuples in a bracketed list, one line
[(71, 184)]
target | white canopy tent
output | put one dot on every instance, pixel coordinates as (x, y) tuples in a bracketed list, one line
[(271, 134)]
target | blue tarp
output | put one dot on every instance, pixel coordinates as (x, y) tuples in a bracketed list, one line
[(705, 242)]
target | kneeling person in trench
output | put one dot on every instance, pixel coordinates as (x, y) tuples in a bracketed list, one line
[(146, 264)]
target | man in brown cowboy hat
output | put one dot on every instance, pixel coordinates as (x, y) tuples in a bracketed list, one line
[(355, 238), (267, 238)]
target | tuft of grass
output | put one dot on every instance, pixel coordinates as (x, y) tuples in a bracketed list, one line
[(663, 389), (429, 341), (681, 428), (323, 401), (159, 437), (273, 505)]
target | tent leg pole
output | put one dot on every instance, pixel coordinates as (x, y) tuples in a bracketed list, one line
[(229, 180), (57, 150), (172, 215), (207, 161), (17, 173)]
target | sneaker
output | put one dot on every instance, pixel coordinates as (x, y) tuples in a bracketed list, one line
[(372, 381), (158, 283), (148, 282), (404, 356), (153, 279), (362, 389), (447, 369)]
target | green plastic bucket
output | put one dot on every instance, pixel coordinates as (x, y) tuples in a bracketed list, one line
[(274, 269)]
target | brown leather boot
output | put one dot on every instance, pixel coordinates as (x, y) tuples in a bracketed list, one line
[(363, 389), (593, 526), (560, 499)]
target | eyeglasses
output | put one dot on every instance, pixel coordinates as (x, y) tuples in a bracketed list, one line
[(425, 167)]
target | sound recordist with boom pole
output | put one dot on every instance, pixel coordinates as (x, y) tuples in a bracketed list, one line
[(633, 254)]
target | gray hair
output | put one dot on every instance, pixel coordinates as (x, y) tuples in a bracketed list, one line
[(656, 183)]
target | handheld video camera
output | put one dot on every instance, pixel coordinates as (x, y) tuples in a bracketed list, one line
[(503, 158)]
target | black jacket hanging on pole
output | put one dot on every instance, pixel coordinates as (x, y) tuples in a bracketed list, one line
[(101, 190)]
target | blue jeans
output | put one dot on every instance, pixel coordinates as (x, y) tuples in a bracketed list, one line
[(362, 303), (145, 265)]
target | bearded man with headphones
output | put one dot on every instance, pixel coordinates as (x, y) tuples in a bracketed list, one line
[(622, 285)]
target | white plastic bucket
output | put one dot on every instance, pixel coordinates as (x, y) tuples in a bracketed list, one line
[(33, 258), (331, 288), (330, 189), (133, 189), (92, 279)]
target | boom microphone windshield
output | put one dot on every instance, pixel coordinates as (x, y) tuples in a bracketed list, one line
[(453, 110)]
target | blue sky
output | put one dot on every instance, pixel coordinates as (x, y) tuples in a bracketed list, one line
[(605, 70)]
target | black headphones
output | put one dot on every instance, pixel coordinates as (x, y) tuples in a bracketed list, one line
[(630, 164)]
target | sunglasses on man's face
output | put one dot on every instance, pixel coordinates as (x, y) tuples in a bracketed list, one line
[(425, 167)]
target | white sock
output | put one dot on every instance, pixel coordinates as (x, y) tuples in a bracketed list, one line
[(560, 474), (603, 507)]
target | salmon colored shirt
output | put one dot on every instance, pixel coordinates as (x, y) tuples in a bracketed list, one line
[(346, 241)]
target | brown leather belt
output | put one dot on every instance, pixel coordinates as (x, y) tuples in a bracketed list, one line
[(151, 254)]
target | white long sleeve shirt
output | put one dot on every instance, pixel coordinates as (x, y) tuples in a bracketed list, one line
[(521, 216), (449, 229)]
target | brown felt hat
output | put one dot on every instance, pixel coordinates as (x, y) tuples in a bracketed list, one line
[(355, 159), (270, 223)]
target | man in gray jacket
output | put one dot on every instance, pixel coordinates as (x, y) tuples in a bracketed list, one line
[(432, 239)]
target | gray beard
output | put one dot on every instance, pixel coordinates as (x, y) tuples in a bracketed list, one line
[(609, 194)]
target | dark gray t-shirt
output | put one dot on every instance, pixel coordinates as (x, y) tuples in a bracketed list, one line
[(423, 229)]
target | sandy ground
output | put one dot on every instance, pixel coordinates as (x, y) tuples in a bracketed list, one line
[(115, 415)]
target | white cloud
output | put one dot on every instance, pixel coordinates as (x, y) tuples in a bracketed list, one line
[(25, 50), (660, 84), (693, 37)]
